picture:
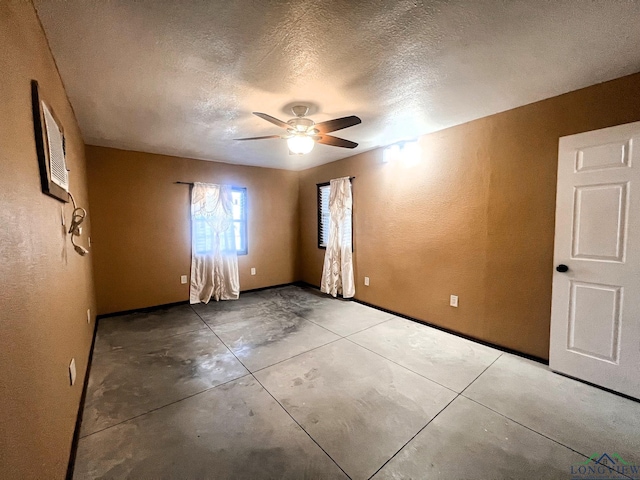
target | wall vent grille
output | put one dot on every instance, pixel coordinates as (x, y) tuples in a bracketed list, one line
[(57, 163)]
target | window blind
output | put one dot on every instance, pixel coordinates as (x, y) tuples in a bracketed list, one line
[(324, 191), (323, 215)]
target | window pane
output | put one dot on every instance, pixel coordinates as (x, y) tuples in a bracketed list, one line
[(203, 235), (238, 235), (324, 215), (347, 233), (238, 203), (239, 211)]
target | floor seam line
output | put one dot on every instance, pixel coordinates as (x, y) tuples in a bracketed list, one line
[(223, 343), (117, 349), (400, 365), (301, 427), (276, 400), (481, 373), (297, 355), (531, 429), (369, 327), (417, 433), (345, 336), (316, 324), (278, 362), (206, 324), (166, 405)]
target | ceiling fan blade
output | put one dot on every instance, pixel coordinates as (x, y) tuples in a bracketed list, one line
[(271, 119), (335, 141), (259, 138), (337, 124)]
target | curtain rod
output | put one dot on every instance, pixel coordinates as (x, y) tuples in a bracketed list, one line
[(192, 184), (326, 183)]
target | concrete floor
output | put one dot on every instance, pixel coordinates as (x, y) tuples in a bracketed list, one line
[(288, 383)]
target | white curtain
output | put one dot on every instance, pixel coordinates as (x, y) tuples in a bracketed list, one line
[(214, 261), (337, 274)]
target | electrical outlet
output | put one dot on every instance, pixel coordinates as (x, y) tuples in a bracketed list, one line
[(453, 300), (253, 271), (72, 371), (366, 281), (183, 279), (88, 315)]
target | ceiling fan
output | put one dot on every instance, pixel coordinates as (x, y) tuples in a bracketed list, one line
[(303, 133)]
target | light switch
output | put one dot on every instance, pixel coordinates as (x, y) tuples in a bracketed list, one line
[(183, 279), (453, 301), (366, 281), (253, 271)]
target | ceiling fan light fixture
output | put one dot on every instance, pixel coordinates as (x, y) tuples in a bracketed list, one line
[(300, 144)]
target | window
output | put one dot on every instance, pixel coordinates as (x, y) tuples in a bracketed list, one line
[(239, 197), (324, 191), (204, 236)]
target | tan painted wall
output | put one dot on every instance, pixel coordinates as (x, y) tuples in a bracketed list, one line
[(474, 217), (46, 287), (141, 231)]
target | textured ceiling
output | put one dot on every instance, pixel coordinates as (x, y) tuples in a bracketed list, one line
[(182, 77)]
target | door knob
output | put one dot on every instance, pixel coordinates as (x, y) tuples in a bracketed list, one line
[(562, 268)]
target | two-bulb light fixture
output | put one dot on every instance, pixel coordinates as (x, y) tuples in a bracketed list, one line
[(408, 152)]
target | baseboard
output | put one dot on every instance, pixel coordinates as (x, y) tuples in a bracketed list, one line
[(183, 302), (269, 287), (437, 327), (142, 309), (302, 283), (76, 431)]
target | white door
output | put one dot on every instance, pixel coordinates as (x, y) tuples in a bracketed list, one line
[(595, 314)]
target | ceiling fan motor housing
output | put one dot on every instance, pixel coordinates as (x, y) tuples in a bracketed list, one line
[(300, 110), (301, 125)]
